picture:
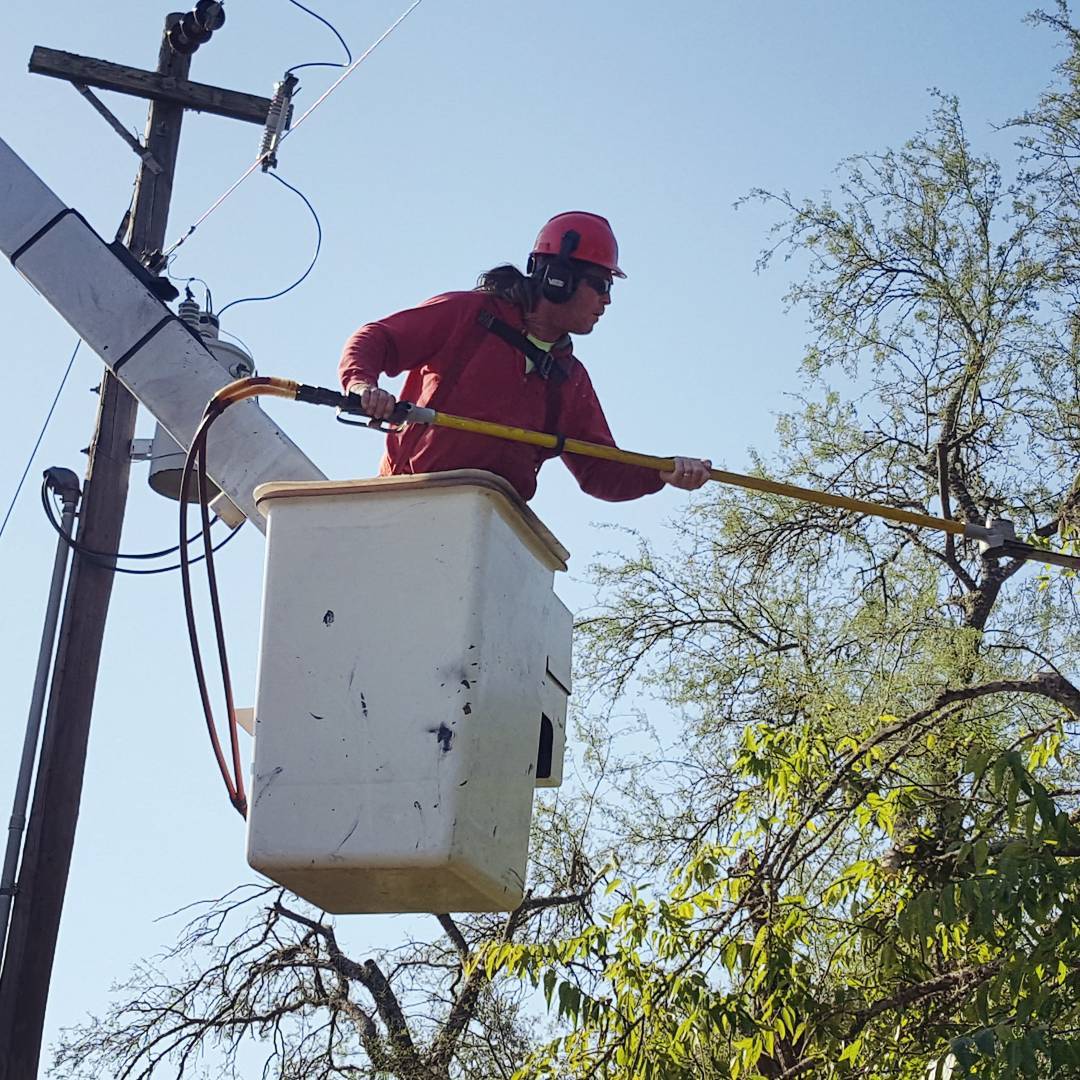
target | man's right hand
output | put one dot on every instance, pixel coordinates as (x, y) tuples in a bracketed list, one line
[(376, 403)]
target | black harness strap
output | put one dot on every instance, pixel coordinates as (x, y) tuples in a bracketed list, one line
[(543, 361), (544, 364)]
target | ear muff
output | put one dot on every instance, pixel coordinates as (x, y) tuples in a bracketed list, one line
[(558, 280)]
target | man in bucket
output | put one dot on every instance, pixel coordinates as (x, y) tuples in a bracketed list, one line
[(503, 353)]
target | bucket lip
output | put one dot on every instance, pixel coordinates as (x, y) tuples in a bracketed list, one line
[(486, 482)]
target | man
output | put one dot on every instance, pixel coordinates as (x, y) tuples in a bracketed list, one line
[(503, 353)]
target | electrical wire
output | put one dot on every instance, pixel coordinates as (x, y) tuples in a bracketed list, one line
[(81, 549), (241, 342), (41, 435), (103, 558), (296, 124), (208, 302), (333, 30), (196, 462), (175, 566), (352, 67), (311, 265)]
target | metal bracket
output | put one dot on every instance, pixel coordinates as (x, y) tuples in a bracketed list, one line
[(994, 534), (997, 540), (358, 419), (148, 159), (141, 449), (1017, 550), (405, 412)]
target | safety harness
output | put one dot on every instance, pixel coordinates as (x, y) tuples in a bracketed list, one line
[(543, 362), (545, 365)]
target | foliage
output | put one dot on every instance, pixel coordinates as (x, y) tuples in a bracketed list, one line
[(260, 974), (864, 860), (858, 853)]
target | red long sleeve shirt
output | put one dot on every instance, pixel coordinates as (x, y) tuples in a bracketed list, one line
[(457, 366)]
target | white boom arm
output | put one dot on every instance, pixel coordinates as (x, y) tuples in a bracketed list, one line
[(150, 350)]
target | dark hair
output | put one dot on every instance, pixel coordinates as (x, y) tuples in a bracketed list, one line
[(508, 283)]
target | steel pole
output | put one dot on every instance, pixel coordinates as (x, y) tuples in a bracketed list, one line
[(66, 484)]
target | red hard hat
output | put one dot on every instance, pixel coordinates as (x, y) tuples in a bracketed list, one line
[(596, 242)]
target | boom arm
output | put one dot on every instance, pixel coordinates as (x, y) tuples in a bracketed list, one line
[(150, 350)]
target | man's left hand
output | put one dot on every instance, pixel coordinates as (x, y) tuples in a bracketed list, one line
[(688, 474)]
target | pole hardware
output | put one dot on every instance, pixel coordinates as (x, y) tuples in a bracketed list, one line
[(142, 449), (278, 118), (148, 159), (194, 28), (65, 484), (155, 85), (50, 831), (146, 268)]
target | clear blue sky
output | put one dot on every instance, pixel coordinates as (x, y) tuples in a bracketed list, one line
[(438, 158)]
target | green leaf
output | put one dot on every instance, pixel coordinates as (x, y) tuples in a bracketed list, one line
[(850, 1052), (550, 978)]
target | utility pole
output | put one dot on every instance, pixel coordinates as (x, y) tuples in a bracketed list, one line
[(46, 858)]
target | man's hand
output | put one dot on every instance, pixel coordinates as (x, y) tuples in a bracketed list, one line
[(688, 474), (376, 403)]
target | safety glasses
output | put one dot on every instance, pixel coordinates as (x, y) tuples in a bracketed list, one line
[(601, 285)]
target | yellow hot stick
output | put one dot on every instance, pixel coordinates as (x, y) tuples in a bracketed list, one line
[(756, 483), (996, 538), (262, 385)]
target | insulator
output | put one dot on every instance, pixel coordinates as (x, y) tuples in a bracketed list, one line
[(210, 14), (277, 120), (178, 42), (194, 28), (188, 309)]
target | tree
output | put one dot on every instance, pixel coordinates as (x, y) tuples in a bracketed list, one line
[(858, 855), (869, 829), (262, 970)]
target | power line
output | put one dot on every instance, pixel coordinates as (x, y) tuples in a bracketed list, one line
[(311, 265), (41, 435), (105, 558), (333, 30), (318, 101), (208, 302), (239, 340)]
